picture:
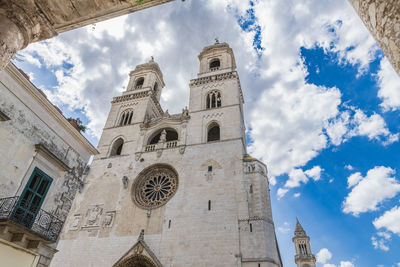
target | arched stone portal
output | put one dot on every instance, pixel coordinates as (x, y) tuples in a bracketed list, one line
[(137, 261)]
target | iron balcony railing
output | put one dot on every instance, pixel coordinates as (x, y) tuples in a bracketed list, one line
[(39, 221)]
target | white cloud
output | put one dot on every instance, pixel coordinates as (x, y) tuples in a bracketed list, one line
[(314, 173), (353, 179), (346, 264), (389, 220), (377, 186), (296, 195), (374, 127), (379, 243), (296, 176), (349, 167), (323, 256), (281, 192), (337, 128), (329, 265), (389, 86)]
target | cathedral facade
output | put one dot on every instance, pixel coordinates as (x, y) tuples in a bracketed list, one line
[(174, 190)]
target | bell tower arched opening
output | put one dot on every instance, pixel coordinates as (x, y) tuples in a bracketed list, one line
[(171, 135)]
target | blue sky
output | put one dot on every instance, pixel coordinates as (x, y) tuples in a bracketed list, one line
[(322, 106)]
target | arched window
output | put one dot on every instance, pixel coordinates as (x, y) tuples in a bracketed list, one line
[(117, 147), (214, 64), (213, 132), (213, 99), (139, 83), (155, 87), (126, 117), (172, 135)]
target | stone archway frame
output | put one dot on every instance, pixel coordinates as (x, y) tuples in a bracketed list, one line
[(139, 253)]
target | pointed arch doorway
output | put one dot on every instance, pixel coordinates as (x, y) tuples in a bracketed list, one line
[(136, 261)]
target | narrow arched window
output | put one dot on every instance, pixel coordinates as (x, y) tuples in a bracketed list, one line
[(122, 119), (126, 117), (116, 149), (155, 87), (215, 64), (213, 133), (213, 99), (139, 83)]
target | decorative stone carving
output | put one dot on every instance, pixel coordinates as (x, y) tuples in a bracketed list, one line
[(163, 137), (109, 165), (185, 113), (182, 149), (108, 219), (154, 187), (93, 215), (125, 181), (76, 221)]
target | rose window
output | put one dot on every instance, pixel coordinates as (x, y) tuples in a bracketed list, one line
[(154, 187)]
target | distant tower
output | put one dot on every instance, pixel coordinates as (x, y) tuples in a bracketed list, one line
[(304, 257)]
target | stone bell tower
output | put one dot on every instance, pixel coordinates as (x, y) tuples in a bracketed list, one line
[(304, 256), (139, 101)]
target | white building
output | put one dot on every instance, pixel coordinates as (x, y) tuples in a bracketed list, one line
[(174, 190), (42, 157)]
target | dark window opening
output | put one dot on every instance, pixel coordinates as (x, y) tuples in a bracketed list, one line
[(259, 265), (213, 99), (139, 83), (251, 228), (117, 147), (251, 189), (213, 133), (209, 168), (130, 118), (172, 135), (155, 87), (122, 120), (213, 102), (169, 224), (126, 118), (215, 64), (209, 205)]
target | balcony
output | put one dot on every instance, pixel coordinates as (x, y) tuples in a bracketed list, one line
[(36, 225), (171, 144)]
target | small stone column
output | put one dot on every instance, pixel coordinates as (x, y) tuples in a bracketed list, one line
[(11, 40)]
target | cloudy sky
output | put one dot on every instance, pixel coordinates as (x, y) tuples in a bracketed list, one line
[(322, 106)]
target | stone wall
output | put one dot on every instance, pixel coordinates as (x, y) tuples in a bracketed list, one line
[(382, 18)]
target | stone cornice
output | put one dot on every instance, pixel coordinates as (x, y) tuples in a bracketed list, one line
[(49, 107), (216, 78), (42, 150)]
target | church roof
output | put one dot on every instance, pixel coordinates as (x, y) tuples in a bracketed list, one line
[(149, 65), (299, 231)]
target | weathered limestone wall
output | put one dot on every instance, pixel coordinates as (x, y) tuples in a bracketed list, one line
[(382, 18), (30, 124)]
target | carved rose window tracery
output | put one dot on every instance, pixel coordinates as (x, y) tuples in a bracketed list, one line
[(154, 187)]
